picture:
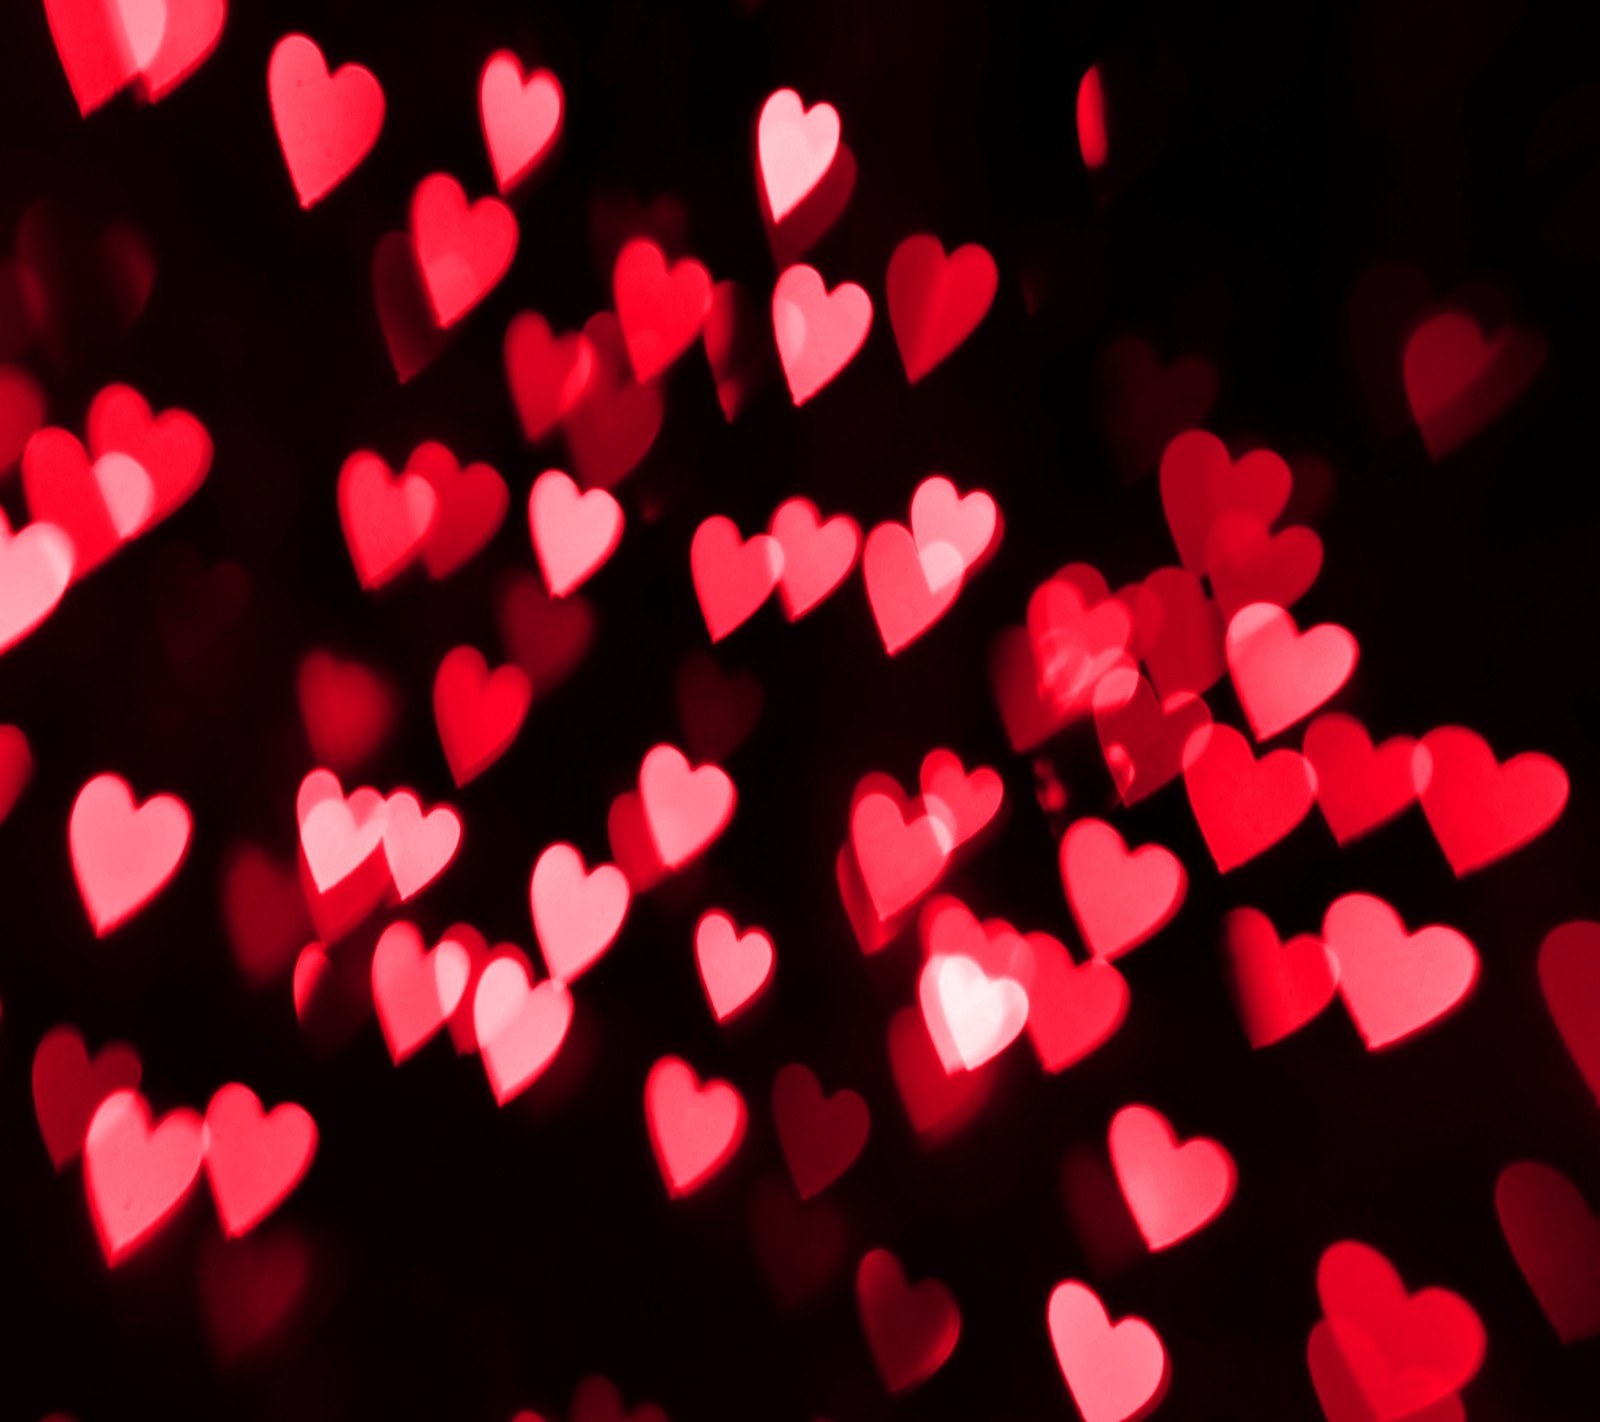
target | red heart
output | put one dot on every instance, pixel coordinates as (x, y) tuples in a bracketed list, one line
[(173, 448), (546, 638), (1143, 739), (1395, 983), (403, 312), (418, 846), (519, 1027), (521, 116), (684, 809), (936, 1102), (21, 412), (1281, 673), (816, 556), (614, 419), (264, 912), (1115, 1372), (1030, 716), (1404, 1351), (349, 710), (92, 42), (732, 576), (463, 1034), (1343, 1401), (573, 534), (1072, 1007), (99, 506), (935, 301), (818, 331), (327, 123), (1078, 635), (386, 519), (900, 857), (910, 588), (1118, 899), (478, 712), (947, 926), (254, 1159), (68, 1086), (795, 147), (577, 913), (1247, 563), (820, 1136), (1172, 1190), (1277, 987), (547, 373), (16, 768), (631, 846), (971, 1017), (251, 1289), (660, 311), (1243, 806), (338, 836), (415, 990), (136, 1176), (1359, 787), (912, 1330), (1178, 632), (1555, 1239), (967, 802), (1569, 976), (718, 712), (469, 506), (969, 523), (188, 33), (123, 854), (461, 251), (1200, 482), (1457, 382), (734, 967), (694, 1129), (1478, 809)]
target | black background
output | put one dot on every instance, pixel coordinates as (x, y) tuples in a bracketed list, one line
[(471, 1261)]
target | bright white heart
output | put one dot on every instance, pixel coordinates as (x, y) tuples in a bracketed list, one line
[(971, 1017)]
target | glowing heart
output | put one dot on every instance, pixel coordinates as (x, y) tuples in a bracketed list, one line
[(1248, 564), (734, 967), (732, 576), (254, 1159), (1072, 1007), (173, 449), (386, 519), (35, 568), (818, 331), (97, 506), (1243, 806), (136, 1175), (68, 1086), (820, 1136), (418, 846), (1118, 899), (577, 912), (969, 523), (184, 36), (911, 1329), (970, 1016), (1141, 738), (573, 533), (816, 555), (685, 808), (661, 311), (123, 854), (93, 44), (1200, 482), (1393, 982), (469, 506), (478, 712), (1282, 674), (1359, 786), (520, 1027), (547, 373), (909, 588), (967, 803), (1277, 987), (1116, 1372), (900, 858), (1178, 632), (521, 116), (694, 1129), (1480, 810), (795, 147), (461, 251), (936, 301), (1172, 1190), (1077, 637), (413, 989), (327, 123), (349, 710)]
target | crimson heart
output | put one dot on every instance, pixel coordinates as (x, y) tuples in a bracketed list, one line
[(1118, 899), (1243, 806), (1200, 482), (1172, 1190), (1276, 987), (1072, 1007), (1178, 632), (1403, 1351), (519, 1027), (909, 588), (521, 116), (1342, 1399), (386, 519), (545, 637), (414, 990), (1478, 809), (1457, 382), (1282, 674), (123, 854), (967, 802), (614, 419), (254, 1159), (478, 712), (1395, 983), (573, 533), (264, 912), (469, 506), (1247, 563), (694, 1129), (816, 556), (1555, 1239), (185, 33), (900, 858), (795, 147), (409, 332), (251, 1289), (173, 448), (818, 331), (327, 123), (349, 710), (21, 412), (660, 311), (68, 1086), (99, 505), (732, 576), (1116, 1372), (736, 347), (461, 251), (92, 43), (1569, 976), (577, 912), (911, 1329), (936, 1102), (1030, 715), (1141, 738), (936, 301), (684, 809), (547, 374), (734, 967), (1079, 634), (136, 1176), (16, 768), (1359, 786), (631, 846), (820, 1136)]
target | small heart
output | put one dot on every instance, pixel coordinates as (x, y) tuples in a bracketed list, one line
[(734, 967), (124, 854)]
